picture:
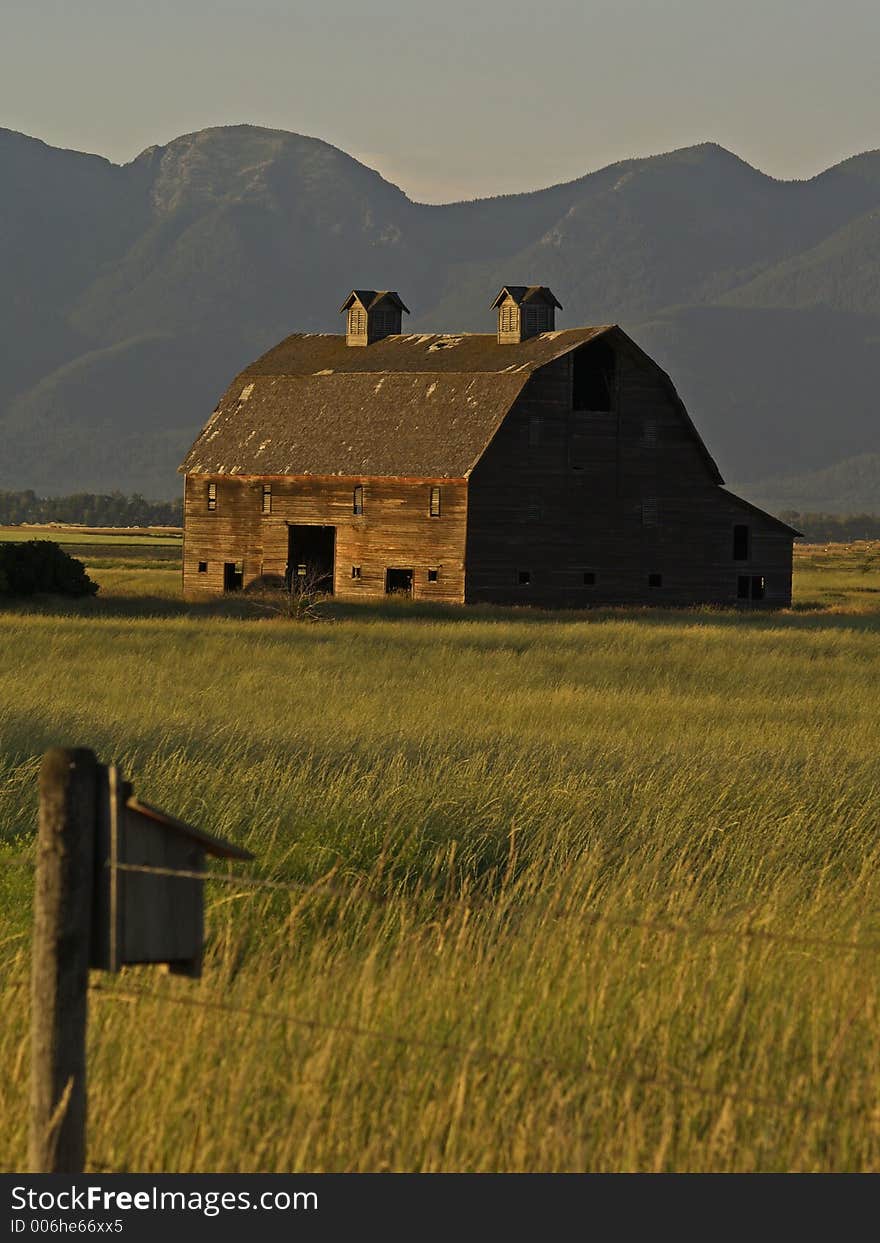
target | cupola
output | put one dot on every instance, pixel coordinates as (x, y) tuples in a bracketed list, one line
[(524, 311), (372, 314)]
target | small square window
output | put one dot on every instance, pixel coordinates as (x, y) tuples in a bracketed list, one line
[(203, 567), (589, 578), (524, 577), (433, 575), (355, 571), (655, 580), (212, 496)]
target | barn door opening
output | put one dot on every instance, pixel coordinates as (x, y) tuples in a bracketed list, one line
[(751, 587), (311, 558), (398, 582), (233, 576)]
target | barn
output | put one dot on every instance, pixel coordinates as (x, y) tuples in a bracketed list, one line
[(526, 466)]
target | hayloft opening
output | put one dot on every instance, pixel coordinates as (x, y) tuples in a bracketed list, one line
[(593, 380), (741, 542)]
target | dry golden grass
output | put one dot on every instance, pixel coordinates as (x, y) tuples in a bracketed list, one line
[(505, 800)]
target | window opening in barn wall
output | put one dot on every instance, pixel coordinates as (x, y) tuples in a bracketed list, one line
[(433, 576), (593, 377), (655, 580), (233, 576), (203, 567), (212, 496), (589, 578), (741, 542), (523, 577), (267, 498), (357, 503), (355, 571), (434, 503)]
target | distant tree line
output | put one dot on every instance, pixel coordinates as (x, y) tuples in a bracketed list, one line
[(111, 509), (834, 528)]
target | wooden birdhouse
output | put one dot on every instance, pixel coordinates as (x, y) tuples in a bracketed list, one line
[(149, 895)]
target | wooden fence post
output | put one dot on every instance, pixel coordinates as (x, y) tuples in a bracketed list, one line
[(60, 964)]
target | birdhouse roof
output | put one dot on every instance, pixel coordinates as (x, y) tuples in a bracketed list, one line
[(217, 846)]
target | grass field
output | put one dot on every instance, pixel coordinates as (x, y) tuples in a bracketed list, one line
[(110, 536), (603, 887)]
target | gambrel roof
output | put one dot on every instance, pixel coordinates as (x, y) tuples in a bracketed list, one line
[(408, 406)]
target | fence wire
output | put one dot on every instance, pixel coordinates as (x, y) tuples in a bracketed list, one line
[(667, 1082), (666, 927)]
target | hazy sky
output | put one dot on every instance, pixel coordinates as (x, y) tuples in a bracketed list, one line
[(454, 98)]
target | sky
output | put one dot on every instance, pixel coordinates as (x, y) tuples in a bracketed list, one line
[(454, 99)]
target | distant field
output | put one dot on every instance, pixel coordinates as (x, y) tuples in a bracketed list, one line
[(602, 883), (91, 535)]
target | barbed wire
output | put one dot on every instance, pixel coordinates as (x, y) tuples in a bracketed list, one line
[(666, 1082), (236, 878), (661, 925), (669, 927)]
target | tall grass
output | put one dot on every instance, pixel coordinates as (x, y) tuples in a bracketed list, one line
[(480, 787)]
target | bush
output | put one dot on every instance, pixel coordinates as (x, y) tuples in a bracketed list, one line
[(41, 566)]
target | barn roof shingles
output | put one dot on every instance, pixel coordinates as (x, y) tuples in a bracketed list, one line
[(420, 405)]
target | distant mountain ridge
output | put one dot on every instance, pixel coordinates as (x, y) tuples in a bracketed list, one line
[(135, 291)]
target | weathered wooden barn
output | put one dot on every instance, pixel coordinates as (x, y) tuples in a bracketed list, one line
[(527, 466)]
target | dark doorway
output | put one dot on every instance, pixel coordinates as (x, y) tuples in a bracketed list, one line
[(311, 558), (751, 587), (233, 576), (398, 582)]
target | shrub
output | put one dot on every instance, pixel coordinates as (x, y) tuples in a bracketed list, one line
[(41, 566)]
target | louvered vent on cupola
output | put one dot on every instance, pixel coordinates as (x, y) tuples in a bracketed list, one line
[(371, 315), (524, 311)]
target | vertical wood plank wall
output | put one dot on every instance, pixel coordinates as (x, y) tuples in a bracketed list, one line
[(394, 531), (559, 495)]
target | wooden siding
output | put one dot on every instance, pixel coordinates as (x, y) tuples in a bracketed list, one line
[(616, 496), (394, 531)]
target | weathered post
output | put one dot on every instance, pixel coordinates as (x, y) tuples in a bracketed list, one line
[(60, 965)]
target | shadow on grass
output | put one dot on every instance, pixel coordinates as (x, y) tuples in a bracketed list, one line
[(803, 614)]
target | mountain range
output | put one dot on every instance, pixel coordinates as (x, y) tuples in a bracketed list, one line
[(134, 292)]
